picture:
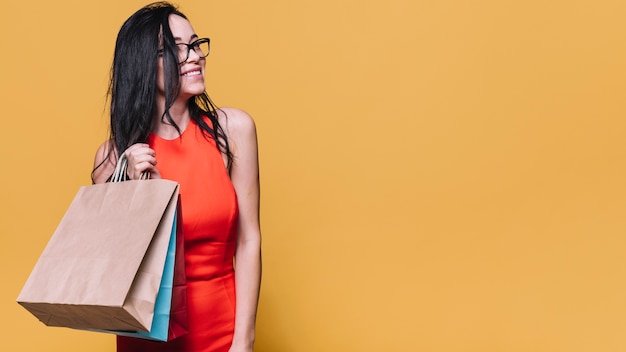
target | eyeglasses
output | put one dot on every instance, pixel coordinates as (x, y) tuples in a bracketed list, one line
[(201, 47)]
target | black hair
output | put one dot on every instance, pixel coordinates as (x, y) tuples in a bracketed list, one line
[(133, 85)]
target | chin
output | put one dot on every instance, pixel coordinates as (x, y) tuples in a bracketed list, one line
[(192, 92)]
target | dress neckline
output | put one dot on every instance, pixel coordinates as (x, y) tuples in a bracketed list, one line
[(191, 121)]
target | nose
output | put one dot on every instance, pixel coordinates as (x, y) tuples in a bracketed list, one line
[(193, 55)]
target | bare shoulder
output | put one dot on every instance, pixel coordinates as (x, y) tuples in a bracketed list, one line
[(237, 123), (104, 162), (103, 151)]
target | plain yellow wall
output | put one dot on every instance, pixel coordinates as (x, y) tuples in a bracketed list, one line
[(436, 175)]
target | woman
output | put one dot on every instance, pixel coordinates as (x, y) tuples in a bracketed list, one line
[(165, 123)]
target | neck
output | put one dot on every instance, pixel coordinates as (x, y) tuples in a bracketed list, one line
[(180, 115)]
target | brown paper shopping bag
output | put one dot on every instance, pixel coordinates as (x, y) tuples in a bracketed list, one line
[(103, 265), (170, 311)]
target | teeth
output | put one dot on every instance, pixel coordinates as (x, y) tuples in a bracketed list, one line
[(192, 73)]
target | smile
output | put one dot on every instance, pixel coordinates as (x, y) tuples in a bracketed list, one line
[(192, 73)]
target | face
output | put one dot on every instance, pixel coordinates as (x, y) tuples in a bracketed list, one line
[(192, 70)]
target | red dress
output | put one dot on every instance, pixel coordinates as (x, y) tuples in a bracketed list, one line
[(209, 215)]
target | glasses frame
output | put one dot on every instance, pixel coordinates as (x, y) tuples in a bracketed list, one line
[(195, 45)]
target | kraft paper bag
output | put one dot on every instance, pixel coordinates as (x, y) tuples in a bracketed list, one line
[(170, 312), (103, 265)]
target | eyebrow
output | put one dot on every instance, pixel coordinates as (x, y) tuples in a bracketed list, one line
[(193, 36)]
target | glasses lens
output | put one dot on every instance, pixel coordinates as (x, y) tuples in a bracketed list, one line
[(183, 52), (201, 47)]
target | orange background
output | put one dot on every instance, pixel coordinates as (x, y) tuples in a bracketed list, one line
[(436, 175)]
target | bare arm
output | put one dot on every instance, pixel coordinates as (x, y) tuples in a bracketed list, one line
[(241, 132)]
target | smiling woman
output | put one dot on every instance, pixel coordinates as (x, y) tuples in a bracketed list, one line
[(191, 63), (164, 122)]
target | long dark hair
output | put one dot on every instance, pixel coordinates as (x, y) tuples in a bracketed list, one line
[(133, 85)]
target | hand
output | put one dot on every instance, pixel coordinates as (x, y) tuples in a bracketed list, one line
[(141, 158)]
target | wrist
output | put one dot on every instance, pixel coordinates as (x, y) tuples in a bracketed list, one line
[(244, 342)]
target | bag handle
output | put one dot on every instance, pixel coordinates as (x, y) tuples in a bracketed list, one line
[(119, 174)]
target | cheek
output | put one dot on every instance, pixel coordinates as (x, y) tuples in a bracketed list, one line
[(160, 85), (160, 80)]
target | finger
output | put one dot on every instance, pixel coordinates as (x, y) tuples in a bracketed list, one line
[(134, 147), (155, 174), (139, 158), (142, 166), (141, 155)]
